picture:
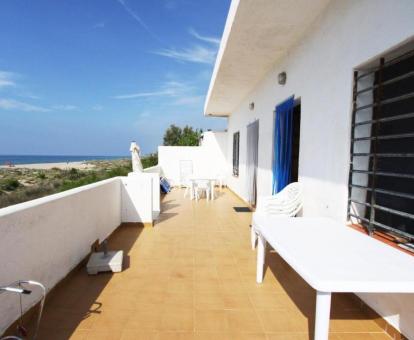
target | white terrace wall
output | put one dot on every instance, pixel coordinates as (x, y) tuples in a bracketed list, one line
[(320, 71), (137, 207), (46, 238), (208, 159)]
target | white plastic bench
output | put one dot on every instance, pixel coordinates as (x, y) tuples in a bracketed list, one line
[(332, 257)]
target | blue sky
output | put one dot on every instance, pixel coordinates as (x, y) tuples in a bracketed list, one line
[(88, 76)]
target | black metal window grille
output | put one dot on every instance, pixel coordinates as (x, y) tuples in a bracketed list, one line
[(381, 176), (236, 147)]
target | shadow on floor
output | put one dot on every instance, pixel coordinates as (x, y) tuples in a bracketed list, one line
[(168, 206), (76, 299), (345, 306), (165, 216)]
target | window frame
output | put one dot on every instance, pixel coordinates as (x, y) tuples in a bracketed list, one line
[(236, 153), (372, 172)]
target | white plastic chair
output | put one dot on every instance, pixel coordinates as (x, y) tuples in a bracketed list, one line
[(200, 187), (220, 179), (186, 171), (188, 186), (287, 203)]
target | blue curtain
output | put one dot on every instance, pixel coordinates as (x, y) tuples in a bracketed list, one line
[(282, 161)]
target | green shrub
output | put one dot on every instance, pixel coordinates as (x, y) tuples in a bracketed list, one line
[(74, 173), (37, 191), (9, 184), (58, 175), (118, 171), (56, 184), (26, 194), (67, 185), (92, 173), (41, 175), (149, 160)]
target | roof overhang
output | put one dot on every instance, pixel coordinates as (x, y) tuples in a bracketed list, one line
[(257, 34)]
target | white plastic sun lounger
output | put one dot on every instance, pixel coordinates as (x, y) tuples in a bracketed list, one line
[(332, 257)]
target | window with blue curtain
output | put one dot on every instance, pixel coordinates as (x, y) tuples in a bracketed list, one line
[(282, 160)]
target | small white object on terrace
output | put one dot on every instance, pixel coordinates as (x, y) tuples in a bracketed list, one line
[(136, 160)]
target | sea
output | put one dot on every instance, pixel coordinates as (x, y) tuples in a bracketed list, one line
[(35, 159)]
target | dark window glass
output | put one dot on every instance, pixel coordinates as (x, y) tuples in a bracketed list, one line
[(382, 148)]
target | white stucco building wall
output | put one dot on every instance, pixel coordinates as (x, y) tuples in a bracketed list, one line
[(214, 145), (346, 35), (207, 159)]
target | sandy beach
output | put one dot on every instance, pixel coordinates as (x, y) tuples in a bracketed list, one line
[(48, 166)]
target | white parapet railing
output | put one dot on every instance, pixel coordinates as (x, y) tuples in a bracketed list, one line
[(156, 169), (137, 207), (44, 239)]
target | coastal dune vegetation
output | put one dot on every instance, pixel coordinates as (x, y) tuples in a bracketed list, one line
[(19, 185)]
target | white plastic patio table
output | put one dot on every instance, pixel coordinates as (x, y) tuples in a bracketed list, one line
[(193, 179), (332, 257)]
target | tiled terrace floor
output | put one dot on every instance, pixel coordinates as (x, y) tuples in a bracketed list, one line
[(192, 276)]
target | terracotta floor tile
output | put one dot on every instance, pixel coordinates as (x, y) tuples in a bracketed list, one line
[(175, 336), (203, 273), (148, 317), (282, 321), (253, 287), (182, 272), (353, 325), (123, 301), (211, 321), (232, 287), (104, 335), (228, 272), (177, 285), (207, 286), (243, 321), (209, 301), (180, 299), (78, 335), (380, 336), (67, 320), (61, 334), (290, 336), (271, 301), (229, 336), (177, 319), (193, 276), (138, 335), (237, 301), (363, 336), (111, 320)]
